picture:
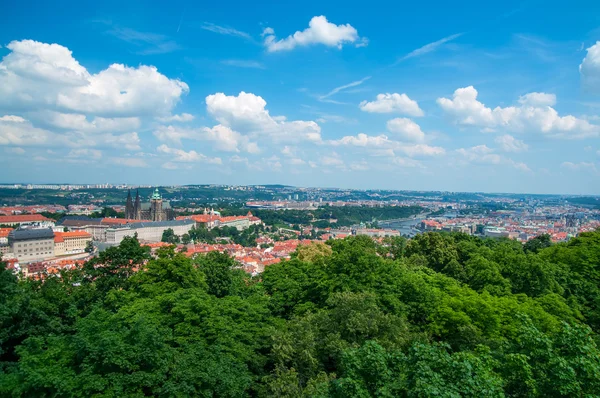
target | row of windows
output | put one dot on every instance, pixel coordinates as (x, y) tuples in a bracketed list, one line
[(32, 244)]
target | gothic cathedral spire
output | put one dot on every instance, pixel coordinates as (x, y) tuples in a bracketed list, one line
[(129, 206)]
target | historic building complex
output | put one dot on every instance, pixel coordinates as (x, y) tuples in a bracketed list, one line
[(155, 210)]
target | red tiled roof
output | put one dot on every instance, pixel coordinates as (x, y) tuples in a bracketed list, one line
[(23, 218), (74, 234), (4, 232)]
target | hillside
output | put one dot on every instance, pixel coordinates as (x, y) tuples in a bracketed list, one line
[(444, 315)]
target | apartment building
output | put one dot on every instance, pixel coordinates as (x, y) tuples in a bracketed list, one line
[(32, 244)]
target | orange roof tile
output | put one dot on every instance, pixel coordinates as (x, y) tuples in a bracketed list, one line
[(23, 218), (4, 232)]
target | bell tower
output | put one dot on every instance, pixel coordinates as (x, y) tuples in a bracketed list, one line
[(156, 212)]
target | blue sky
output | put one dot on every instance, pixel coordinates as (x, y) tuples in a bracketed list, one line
[(501, 97)]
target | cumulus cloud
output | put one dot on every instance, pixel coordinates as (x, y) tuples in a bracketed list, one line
[(590, 68), (246, 113), (187, 157), (222, 137), (78, 122), (319, 31), (406, 130), (182, 118), (467, 110), (381, 145), (16, 130), (48, 76), (508, 143), (392, 103), (482, 154), (538, 99)]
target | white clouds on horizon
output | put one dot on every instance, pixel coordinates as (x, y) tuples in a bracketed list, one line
[(467, 110), (187, 157), (482, 154)]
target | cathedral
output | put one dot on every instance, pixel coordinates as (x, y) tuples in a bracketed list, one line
[(155, 210)]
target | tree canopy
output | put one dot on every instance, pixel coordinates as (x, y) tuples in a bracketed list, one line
[(440, 315)]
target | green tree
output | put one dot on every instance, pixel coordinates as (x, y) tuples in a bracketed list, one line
[(538, 243), (89, 247), (169, 236)]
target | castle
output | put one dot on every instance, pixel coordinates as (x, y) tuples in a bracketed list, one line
[(155, 210)]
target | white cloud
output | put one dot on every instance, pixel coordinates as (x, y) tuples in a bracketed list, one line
[(381, 145), (333, 160), (589, 166), (467, 110), (85, 153), (590, 68), (78, 122), (427, 48), (538, 99), (129, 162), (406, 130), (243, 63), (187, 157), (182, 118), (388, 103), (226, 139), (12, 118), (18, 131), (16, 150), (336, 90), (359, 166), (169, 166), (225, 30), (482, 154), (288, 151), (223, 137), (296, 161), (148, 43), (406, 162), (508, 143), (319, 31), (246, 113), (46, 76)]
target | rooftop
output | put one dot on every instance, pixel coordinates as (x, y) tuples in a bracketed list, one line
[(23, 218), (30, 234)]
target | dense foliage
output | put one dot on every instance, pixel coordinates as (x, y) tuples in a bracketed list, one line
[(331, 216), (441, 315)]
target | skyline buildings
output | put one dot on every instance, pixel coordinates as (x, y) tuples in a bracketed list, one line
[(326, 98)]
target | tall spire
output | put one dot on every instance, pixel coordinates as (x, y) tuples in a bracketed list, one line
[(137, 206), (129, 206)]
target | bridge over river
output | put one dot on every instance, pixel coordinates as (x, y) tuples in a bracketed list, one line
[(406, 226)]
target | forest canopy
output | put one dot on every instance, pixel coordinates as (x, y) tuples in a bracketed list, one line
[(440, 315)]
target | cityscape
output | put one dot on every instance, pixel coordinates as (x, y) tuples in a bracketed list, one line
[(316, 199), (79, 229)]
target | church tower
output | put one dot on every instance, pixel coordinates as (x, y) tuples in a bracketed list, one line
[(129, 206), (156, 212), (137, 207)]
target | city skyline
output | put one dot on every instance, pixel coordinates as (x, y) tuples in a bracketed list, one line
[(486, 98)]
